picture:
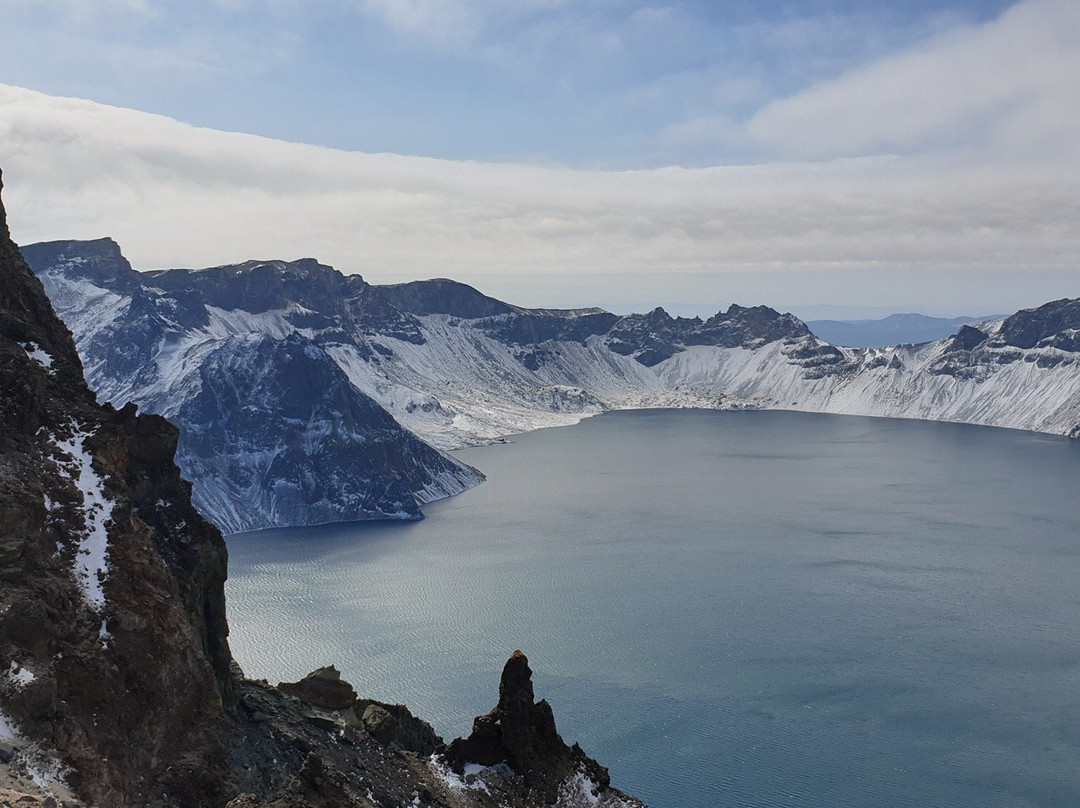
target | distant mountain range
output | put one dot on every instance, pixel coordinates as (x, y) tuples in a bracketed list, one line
[(896, 329), (304, 395)]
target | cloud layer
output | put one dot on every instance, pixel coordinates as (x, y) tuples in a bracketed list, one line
[(931, 179), (594, 83), (1009, 88)]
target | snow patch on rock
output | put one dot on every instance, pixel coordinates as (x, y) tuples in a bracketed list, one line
[(91, 556), (472, 777), (18, 675), (44, 770), (37, 354), (7, 729)]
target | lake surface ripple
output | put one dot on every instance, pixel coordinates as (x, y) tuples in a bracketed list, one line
[(727, 609)]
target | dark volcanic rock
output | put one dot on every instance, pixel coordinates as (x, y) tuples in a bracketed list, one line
[(323, 688), (440, 296), (1051, 325), (375, 316), (651, 338), (820, 359), (741, 327), (521, 733), (395, 725), (528, 327), (259, 286), (968, 338), (131, 675), (1031, 335)]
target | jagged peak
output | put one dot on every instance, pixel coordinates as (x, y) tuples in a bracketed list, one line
[(515, 684), (521, 733)]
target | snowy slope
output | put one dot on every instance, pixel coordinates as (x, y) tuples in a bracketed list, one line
[(461, 385), (456, 367), (1036, 389), (272, 432)]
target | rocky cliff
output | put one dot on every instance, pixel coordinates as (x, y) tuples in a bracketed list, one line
[(271, 430), (112, 610), (117, 687)]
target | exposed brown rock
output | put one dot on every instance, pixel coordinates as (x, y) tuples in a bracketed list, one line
[(131, 697)]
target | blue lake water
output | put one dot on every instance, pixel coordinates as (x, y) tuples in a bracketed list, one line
[(726, 609)]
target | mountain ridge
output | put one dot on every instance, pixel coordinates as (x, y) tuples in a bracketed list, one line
[(335, 456), (458, 368)]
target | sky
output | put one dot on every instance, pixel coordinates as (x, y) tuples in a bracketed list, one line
[(832, 158)]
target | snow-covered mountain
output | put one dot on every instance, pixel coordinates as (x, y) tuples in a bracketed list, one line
[(457, 367), (480, 377), (272, 432)]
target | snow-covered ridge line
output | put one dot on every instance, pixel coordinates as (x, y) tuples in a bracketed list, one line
[(458, 368)]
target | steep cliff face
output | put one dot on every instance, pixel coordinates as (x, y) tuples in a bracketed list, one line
[(112, 612), (313, 449), (117, 687), (272, 432)]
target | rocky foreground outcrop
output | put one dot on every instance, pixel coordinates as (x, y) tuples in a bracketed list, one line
[(117, 686)]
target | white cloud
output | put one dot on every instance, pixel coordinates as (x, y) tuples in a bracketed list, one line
[(434, 19), (84, 11), (706, 130), (454, 22), (1010, 84), (174, 195)]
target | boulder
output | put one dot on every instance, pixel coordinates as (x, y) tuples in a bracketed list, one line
[(323, 688)]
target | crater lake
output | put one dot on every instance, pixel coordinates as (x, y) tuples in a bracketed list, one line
[(724, 608)]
